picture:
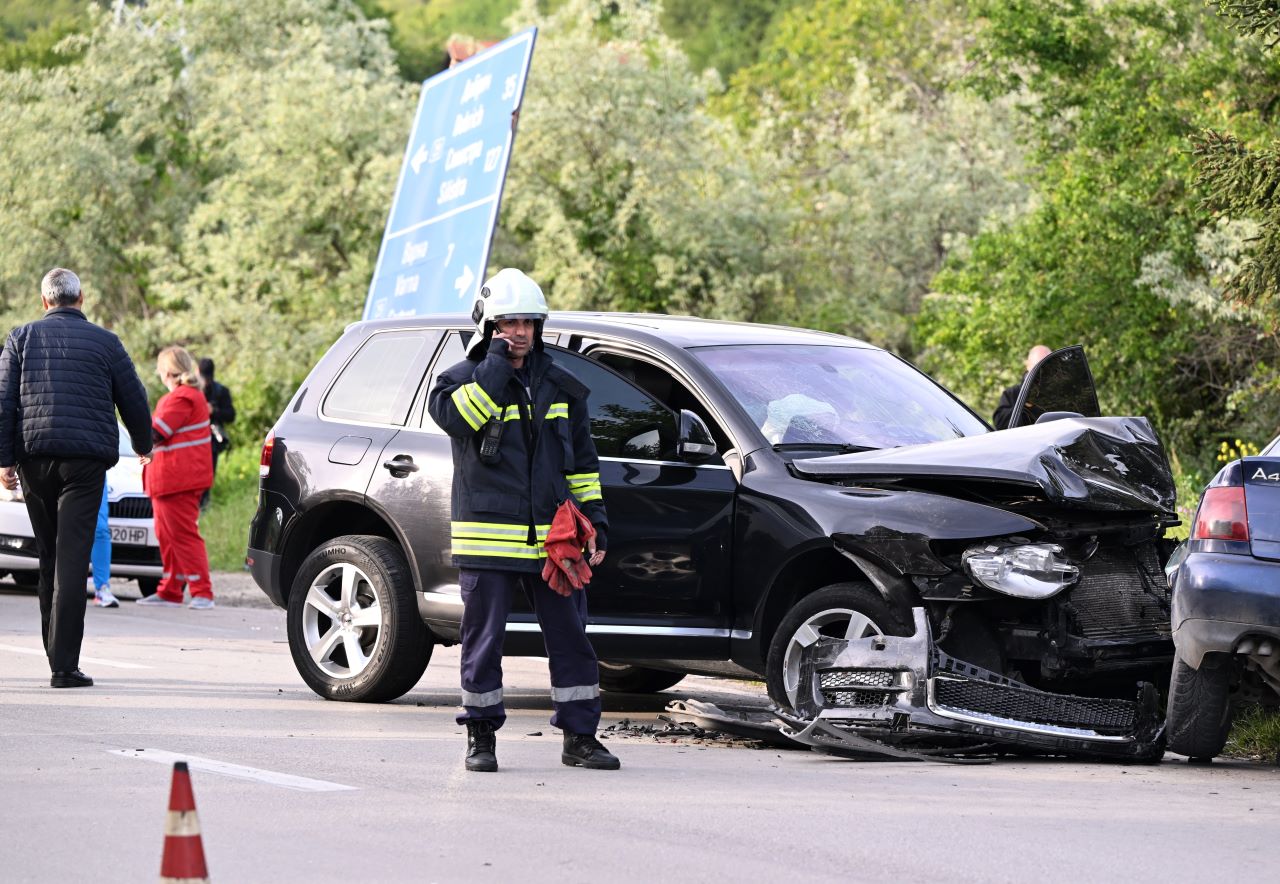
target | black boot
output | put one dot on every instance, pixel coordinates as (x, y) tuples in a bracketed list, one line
[(584, 750), (480, 746), (73, 679)]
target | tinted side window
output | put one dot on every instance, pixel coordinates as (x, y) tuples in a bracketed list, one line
[(378, 384), (451, 353), (625, 421)]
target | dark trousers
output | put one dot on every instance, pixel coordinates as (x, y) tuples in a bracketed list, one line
[(63, 496), (575, 677), (204, 495)]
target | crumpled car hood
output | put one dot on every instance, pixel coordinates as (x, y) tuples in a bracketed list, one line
[(1104, 463)]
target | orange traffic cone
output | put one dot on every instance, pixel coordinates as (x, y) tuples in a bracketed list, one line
[(183, 853)]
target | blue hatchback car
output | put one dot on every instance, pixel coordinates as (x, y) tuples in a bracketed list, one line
[(1226, 605)]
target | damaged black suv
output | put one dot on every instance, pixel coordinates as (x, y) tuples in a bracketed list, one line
[(776, 497)]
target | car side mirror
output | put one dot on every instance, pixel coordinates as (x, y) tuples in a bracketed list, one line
[(695, 444)]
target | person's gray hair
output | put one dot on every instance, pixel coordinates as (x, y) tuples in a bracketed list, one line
[(61, 288)]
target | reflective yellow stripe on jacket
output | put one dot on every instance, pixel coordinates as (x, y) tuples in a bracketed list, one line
[(474, 404), (497, 539), (584, 486), (557, 409)]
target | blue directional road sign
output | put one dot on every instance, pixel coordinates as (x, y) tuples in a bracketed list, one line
[(436, 245)]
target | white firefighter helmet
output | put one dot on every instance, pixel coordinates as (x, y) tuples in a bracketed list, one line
[(509, 294)]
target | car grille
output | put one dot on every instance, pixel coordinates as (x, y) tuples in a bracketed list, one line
[(856, 687), (130, 508), (128, 554), (1026, 704), (1111, 601)]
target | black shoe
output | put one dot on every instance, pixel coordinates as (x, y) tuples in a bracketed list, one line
[(73, 679), (584, 750), (481, 744)]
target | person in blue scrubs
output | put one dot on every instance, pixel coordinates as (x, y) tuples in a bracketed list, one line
[(100, 558)]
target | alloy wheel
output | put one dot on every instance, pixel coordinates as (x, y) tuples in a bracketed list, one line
[(342, 620)]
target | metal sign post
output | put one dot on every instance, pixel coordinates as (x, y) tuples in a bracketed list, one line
[(445, 208)]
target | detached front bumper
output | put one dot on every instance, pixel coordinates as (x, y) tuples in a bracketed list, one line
[(905, 692)]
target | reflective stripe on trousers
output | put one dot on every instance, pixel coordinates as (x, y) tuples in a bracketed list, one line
[(575, 688)]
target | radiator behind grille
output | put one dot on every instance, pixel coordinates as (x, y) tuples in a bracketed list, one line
[(1109, 600)]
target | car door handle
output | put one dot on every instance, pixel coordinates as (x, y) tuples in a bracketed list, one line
[(398, 465)]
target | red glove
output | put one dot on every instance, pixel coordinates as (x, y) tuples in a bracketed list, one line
[(566, 569)]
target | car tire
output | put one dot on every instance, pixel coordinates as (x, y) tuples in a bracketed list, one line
[(837, 611), (353, 623), (627, 679), (25, 579), (1199, 715), (147, 586)]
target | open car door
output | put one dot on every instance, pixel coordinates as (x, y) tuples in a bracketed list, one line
[(1061, 382)]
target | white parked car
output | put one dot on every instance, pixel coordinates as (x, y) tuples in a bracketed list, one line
[(135, 552)]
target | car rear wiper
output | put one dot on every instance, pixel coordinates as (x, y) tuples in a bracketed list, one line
[(842, 447)]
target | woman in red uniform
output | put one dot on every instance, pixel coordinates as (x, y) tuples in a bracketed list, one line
[(181, 471)]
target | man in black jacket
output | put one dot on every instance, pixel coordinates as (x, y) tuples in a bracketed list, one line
[(221, 412), (61, 380)]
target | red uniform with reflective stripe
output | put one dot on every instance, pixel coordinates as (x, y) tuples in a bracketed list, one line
[(175, 479), (183, 458)]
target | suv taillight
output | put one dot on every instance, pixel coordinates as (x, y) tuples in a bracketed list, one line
[(268, 446), (1223, 515)]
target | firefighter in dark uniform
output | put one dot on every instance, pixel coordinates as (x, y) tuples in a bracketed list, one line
[(521, 445)]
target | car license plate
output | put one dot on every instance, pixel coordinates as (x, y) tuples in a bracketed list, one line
[(135, 536)]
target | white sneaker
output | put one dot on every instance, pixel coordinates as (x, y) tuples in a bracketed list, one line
[(201, 603), (104, 599), (154, 601)]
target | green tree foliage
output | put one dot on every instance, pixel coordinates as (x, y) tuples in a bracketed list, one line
[(807, 59), (1111, 94), (218, 173), (888, 166), (624, 193), (723, 34), (420, 29), (1239, 171), (31, 29)]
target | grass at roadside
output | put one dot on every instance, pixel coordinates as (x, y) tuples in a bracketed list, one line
[(225, 525), (1255, 734)]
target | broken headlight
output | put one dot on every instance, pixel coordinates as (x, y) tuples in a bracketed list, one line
[(1025, 571)]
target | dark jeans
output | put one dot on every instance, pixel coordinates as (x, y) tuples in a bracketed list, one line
[(63, 496)]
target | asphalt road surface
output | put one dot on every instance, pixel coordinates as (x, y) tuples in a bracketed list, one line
[(290, 787)]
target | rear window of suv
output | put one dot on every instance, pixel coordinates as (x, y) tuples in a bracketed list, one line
[(377, 385)]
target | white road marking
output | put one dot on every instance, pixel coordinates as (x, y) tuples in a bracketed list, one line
[(208, 765), (96, 661)]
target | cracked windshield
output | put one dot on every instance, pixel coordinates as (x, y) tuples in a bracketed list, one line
[(837, 397)]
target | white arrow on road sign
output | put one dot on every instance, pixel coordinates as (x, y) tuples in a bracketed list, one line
[(419, 158), (463, 282)]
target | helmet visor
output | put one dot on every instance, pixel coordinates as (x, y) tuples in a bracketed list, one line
[(520, 316)]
